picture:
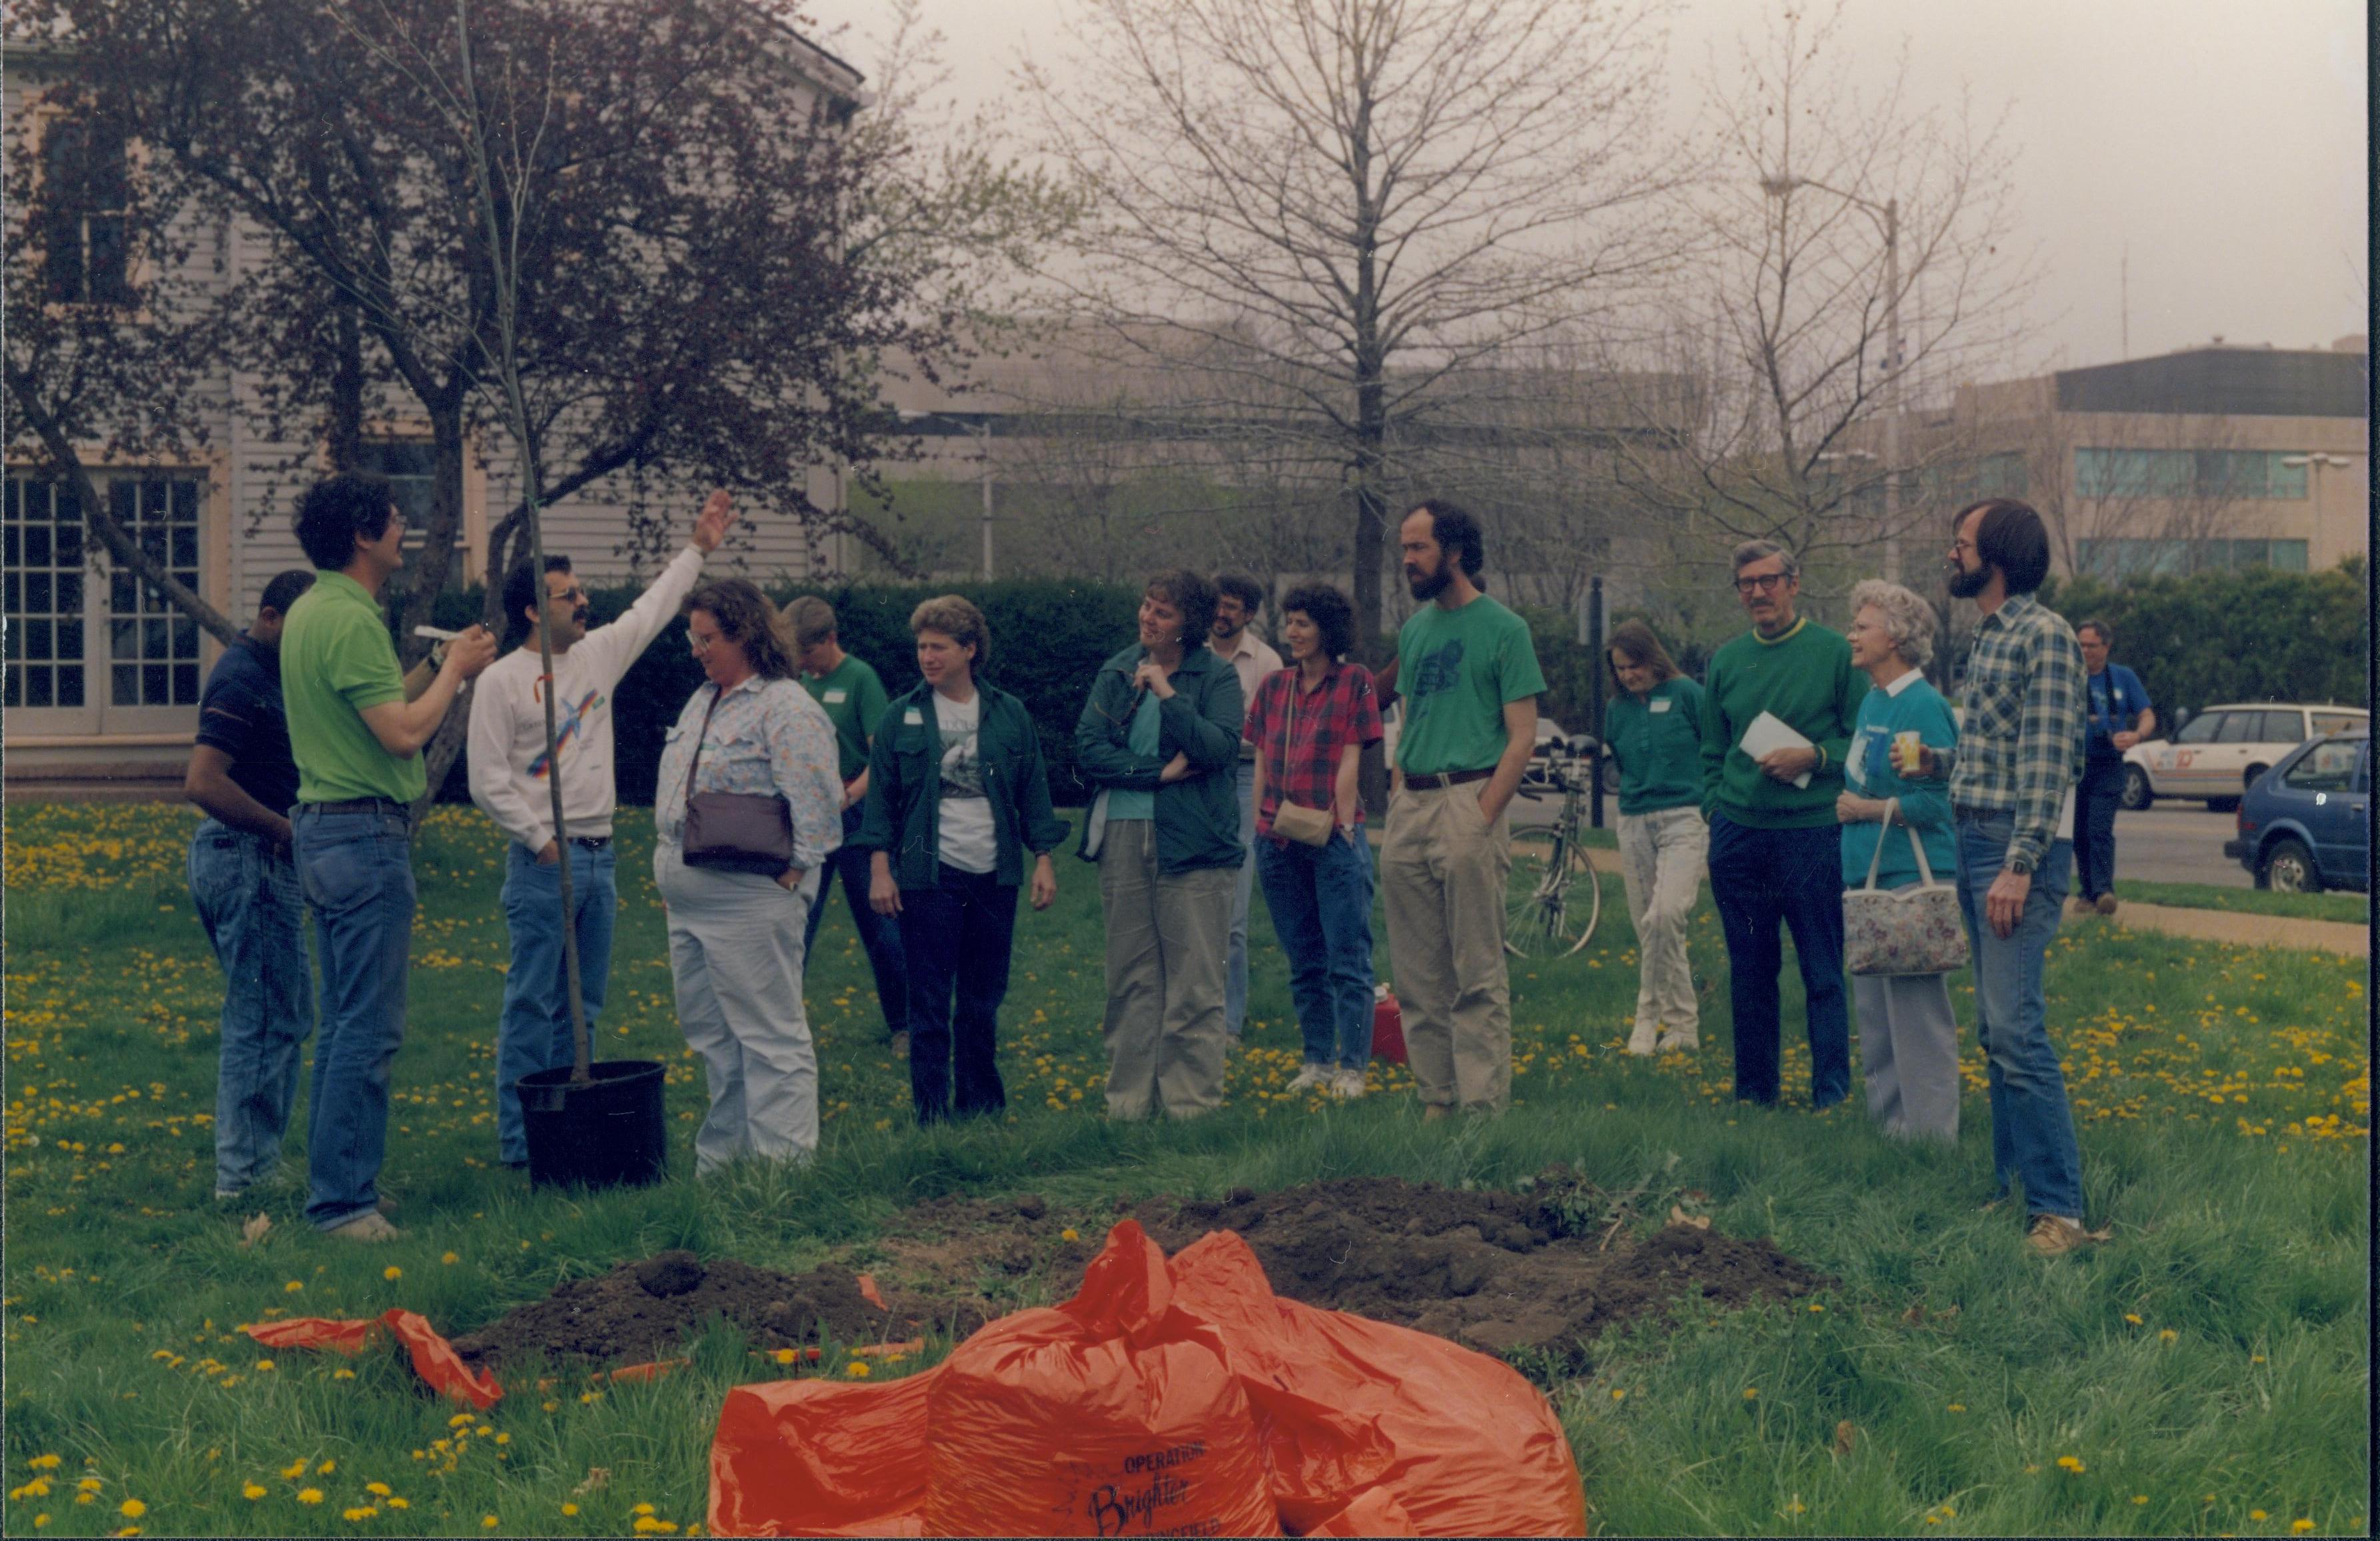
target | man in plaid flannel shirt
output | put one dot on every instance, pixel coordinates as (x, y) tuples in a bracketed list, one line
[(2012, 777)]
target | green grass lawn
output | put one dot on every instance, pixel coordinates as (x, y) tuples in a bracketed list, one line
[(2206, 1372), (2355, 909)]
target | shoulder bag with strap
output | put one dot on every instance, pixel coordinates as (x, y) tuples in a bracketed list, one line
[(739, 832), (1306, 826), (1910, 930)]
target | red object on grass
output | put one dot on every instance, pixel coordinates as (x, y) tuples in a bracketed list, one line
[(434, 1359), (1389, 1030)]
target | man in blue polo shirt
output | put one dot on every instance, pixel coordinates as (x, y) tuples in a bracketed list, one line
[(244, 887), (2121, 716)]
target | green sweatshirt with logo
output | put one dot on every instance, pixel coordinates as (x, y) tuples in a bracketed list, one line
[(1805, 679)]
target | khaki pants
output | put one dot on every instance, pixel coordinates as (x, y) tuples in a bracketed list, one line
[(1167, 949), (1661, 858), (1443, 874)]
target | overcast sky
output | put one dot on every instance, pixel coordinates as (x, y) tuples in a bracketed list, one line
[(2223, 142)]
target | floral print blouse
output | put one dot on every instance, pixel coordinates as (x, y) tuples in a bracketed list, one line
[(766, 735)]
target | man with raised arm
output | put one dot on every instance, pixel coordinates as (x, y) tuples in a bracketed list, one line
[(509, 771)]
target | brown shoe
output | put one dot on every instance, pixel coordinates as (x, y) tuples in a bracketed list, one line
[(2107, 904), (900, 1045), (1435, 1112), (2055, 1235), (366, 1226)]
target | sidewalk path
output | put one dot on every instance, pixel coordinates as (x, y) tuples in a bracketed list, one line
[(2232, 927)]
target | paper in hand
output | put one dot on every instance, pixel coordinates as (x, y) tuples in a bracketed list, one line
[(1769, 732)]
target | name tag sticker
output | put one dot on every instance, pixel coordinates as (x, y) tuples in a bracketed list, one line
[(913, 718), (836, 697), (1661, 706)]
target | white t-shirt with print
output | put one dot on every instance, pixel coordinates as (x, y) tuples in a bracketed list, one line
[(967, 839)]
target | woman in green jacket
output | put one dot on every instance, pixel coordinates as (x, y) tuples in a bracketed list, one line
[(1159, 740), (956, 793), (1653, 729)]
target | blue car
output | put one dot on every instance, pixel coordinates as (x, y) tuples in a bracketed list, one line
[(2305, 825)]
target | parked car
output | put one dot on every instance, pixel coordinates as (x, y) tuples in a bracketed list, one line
[(2219, 753), (2306, 826)]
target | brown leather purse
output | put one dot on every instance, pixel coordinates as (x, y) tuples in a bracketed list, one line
[(737, 831), (1295, 820)]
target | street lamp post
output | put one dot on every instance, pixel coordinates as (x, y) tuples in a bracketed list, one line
[(981, 426), (1888, 212)]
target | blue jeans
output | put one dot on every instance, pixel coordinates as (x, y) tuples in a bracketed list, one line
[(246, 890), (534, 1033), (879, 936), (2095, 802), (958, 935), (2033, 1126), (1759, 880), (356, 871), (1236, 975), (1320, 897)]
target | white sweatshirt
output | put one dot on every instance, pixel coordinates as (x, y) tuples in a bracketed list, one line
[(508, 740)]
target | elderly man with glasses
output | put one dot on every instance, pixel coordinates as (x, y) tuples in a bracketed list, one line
[(1778, 707)]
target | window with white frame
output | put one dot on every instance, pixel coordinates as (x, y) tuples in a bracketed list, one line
[(75, 644)]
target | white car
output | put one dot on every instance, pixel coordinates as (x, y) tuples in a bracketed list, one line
[(2219, 753)]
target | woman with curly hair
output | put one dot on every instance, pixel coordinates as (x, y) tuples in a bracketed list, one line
[(735, 925)]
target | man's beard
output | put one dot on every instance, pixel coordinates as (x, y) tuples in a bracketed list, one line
[(1431, 586), (1965, 585)]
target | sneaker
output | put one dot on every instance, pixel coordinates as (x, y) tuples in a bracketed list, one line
[(901, 1046), (2055, 1235), (1641, 1041), (368, 1226), (2107, 904), (1314, 1074), (1688, 1042), (1347, 1085)]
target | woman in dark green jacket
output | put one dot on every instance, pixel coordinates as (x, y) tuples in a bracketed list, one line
[(1159, 740), (1653, 729), (956, 793)]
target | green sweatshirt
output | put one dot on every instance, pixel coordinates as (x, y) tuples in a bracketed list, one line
[(1657, 742), (1805, 678)]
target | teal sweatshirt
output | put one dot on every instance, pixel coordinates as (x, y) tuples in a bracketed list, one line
[(1657, 742), (1805, 679), (1925, 806)]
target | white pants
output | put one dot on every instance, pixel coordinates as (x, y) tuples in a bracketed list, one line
[(1662, 856), (735, 956)]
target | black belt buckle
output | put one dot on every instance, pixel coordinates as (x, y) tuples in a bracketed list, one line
[(592, 842)]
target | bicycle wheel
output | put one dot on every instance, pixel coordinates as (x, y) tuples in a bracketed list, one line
[(1549, 914)]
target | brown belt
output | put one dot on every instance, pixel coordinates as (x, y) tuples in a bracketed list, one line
[(1451, 778)]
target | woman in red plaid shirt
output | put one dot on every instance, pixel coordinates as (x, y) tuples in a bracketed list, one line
[(1309, 724)]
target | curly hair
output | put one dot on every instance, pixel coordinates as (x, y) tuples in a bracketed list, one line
[(1194, 597), (960, 621), (1908, 619), (336, 512), (1330, 613), (748, 619)]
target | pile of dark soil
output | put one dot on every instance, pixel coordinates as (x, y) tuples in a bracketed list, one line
[(641, 1311), (1501, 1272), (1489, 1269)]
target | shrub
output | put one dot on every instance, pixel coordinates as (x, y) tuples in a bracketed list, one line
[(2254, 635)]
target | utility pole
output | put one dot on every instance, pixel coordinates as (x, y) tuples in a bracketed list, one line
[(1591, 633), (1893, 405), (987, 498)]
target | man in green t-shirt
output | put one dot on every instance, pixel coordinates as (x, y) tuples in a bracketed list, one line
[(1468, 675), (357, 727), (854, 699)]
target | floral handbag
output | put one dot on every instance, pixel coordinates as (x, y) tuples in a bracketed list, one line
[(1907, 930)]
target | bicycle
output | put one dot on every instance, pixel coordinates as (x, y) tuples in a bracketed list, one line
[(1541, 917)]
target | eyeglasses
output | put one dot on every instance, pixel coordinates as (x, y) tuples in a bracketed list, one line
[(702, 645), (1765, 583)]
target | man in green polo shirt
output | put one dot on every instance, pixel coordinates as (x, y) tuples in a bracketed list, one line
[(854, 699), (358, 739)]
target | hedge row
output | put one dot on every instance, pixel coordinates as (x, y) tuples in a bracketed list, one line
[(1047, 638)]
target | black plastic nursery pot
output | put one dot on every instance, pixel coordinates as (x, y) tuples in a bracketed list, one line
[(605, 1134)]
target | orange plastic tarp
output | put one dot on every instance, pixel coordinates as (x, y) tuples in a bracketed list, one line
[(1344, 1426), (434, 1359)]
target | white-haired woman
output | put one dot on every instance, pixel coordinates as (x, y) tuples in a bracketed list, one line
[(1908, 1038)]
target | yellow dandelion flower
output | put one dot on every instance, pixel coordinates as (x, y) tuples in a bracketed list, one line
[(2168, 1335), (488, 1521), (450, 1259), (1070, 1235), (569, 1509), (132, 1508), (326, 1468), (2072, 1463), (641, 1509), (2257, 1514), (293, 1287), (295, 1470), (392, 1272), (2132, 1317), (785, 1356), (1750, 1392), (856, 1369), (399, 1503), (2300, 1526), (251, 1491), (309, 1494), (377, 1489), (264, 1364)]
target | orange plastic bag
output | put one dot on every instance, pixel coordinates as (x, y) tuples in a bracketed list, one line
[(434, 1359), (821, 1458), (1472, 1448), (1112, 1414)]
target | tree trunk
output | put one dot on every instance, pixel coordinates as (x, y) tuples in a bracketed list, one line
[(410, 597), (345, 428)]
